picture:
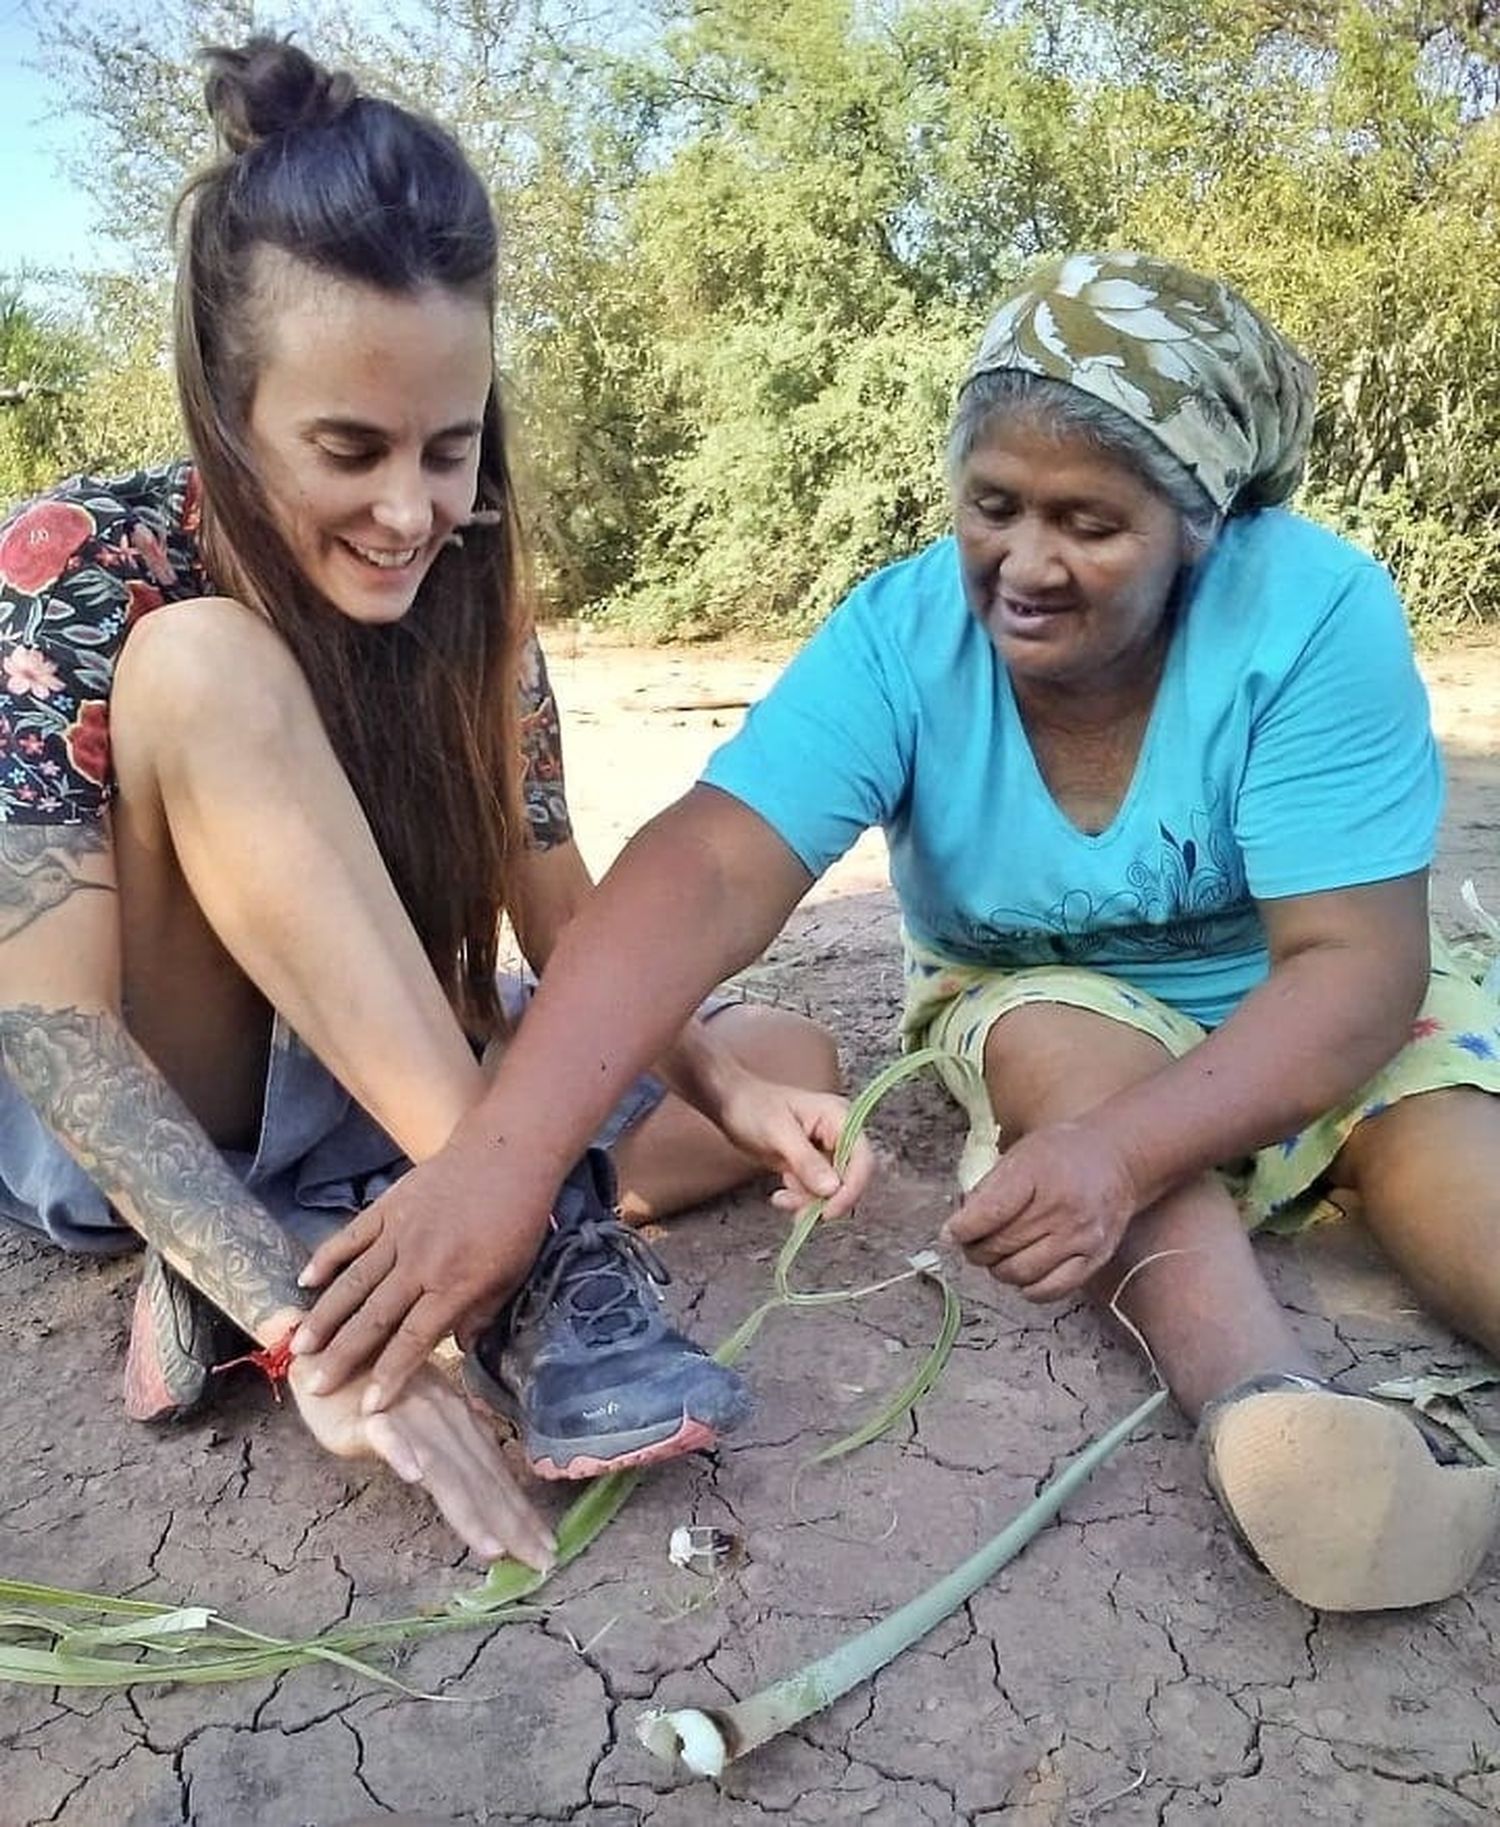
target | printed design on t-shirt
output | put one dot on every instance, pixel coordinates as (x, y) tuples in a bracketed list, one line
[(1188, 897), (76, 569)]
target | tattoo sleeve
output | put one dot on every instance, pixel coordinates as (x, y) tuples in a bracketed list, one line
[(110, 1107), (143, 1148), (37, 872)]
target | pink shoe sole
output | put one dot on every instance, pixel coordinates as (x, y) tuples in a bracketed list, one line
[(147, 1397), (692, 1437)]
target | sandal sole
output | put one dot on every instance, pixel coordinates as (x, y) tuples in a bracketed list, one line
[(1343, 1505)]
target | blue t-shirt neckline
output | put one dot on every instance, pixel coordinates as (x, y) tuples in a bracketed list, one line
[(1014, 729)]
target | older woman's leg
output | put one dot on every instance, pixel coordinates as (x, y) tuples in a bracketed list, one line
[(1427, 1172), (1204, 1308), (1337, 1496)]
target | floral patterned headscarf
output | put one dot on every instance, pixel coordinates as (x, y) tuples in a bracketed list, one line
[(1183, 356)]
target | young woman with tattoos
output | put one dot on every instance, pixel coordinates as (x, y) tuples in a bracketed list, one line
[(277, 752)]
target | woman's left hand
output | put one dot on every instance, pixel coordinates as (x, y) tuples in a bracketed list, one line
[(1051, 1212), (431, 1436), (794, 1133)]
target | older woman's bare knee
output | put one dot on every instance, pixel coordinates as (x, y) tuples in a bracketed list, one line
[(780, 1044), (1046, 1062)]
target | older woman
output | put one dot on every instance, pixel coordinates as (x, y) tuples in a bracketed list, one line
[(1161, 793)]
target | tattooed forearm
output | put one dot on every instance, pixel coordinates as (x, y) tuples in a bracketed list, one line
[(142, 1147), (37, 869)]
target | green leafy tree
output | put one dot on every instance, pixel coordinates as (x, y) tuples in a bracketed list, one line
[(834, 195), (1356, 203), (748, 245), (127, 406), (42, 369)]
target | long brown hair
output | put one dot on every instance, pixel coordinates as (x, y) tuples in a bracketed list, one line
[(422, 712)]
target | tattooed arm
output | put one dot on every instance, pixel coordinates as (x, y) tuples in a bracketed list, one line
[(141, 1146), (64, 1044)]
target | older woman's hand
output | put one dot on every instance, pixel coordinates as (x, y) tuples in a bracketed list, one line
[(1051, 1213)]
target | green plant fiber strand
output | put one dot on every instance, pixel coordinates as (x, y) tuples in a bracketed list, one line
[(47, 1644), (911, 1393), (748, 1723)]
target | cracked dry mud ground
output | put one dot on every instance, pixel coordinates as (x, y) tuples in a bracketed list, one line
[(1129, 1668)]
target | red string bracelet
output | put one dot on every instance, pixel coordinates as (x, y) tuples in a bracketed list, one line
[(274, 1362)]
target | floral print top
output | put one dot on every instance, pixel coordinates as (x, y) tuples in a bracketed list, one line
[(77, 569)]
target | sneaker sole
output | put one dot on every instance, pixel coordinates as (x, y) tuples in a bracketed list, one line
[(1343, 1505), (688, 1436), (576, 1459), (148, 1395)]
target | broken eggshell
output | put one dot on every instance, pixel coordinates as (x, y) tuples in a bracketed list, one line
[(700, 1548)]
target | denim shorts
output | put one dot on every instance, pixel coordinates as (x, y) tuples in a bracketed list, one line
[(318, 1157)]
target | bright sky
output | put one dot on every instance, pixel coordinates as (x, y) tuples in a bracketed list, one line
[(45, 219)]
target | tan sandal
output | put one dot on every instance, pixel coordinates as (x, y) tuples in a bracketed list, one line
[(1340, 1500)]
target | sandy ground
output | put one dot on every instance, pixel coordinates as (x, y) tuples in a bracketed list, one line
[(1130, 1668)]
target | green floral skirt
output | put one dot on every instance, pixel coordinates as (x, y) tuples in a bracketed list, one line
[(1455, 1040)]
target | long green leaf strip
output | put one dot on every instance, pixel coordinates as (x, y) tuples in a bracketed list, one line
[(911, 1393), (45, 1643), (700, 1741)]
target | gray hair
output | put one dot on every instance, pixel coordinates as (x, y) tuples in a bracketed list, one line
[(1061, 410)]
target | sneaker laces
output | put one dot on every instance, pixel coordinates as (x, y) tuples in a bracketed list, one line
[(601, 1263)]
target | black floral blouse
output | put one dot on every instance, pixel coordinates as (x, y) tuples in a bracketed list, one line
[(77, 569)]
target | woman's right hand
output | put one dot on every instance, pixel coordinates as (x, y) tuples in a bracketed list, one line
[(431, 1436), (794, 1132)]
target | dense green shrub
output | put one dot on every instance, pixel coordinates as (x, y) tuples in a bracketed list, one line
[(749, 244)]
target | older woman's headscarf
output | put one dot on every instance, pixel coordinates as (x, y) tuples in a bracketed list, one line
[(1183, 356)]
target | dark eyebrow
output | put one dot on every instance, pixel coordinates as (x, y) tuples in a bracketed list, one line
[(355, 428)]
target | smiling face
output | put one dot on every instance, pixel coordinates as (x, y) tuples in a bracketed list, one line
[(364, 428), (1068, 558)]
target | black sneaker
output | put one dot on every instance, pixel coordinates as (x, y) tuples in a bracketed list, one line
[(583, 1357)]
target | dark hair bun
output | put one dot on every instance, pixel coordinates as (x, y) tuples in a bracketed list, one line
[(266, 87)]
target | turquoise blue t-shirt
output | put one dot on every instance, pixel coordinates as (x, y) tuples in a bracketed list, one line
[(1289, 751)]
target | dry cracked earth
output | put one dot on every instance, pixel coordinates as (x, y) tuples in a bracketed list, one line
[(1129, 1668)]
